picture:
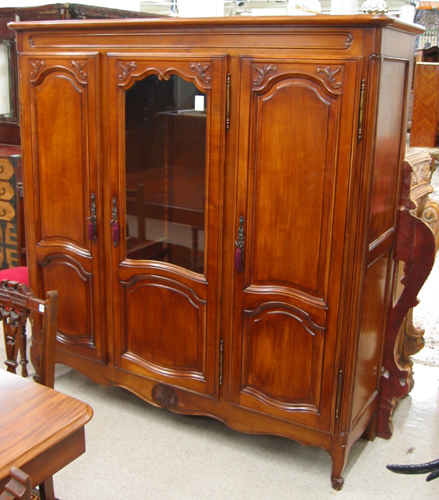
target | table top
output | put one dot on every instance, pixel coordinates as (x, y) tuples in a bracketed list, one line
[(33, 419)]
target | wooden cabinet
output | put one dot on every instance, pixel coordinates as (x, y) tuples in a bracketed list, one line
[(216, 202)]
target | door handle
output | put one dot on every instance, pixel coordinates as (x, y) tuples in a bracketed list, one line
[(239, 253), (92, 218), (115, 224)]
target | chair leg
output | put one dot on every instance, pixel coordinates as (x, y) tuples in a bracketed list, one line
[(23, 357), (47, 491), (11, 350)]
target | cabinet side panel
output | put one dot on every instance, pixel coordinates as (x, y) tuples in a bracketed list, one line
[(371, 331), (386, 169), (384, 199)]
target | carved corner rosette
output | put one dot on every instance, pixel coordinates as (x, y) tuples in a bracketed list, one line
[(332, 75), (201, 72), (125, 69), (164, 396), (79, 67), (37, 66), (262, 73)]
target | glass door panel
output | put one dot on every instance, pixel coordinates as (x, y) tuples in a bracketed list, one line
[(165, 125)]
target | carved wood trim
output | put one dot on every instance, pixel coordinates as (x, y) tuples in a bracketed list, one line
[(198, 71), (165, 396), (125, 70), (262, 73), (79, 67), (38, 67), (201, 71), (331, 75)]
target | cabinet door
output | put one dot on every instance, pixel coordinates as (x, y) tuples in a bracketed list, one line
[(296, 135), (166, 195), (61, 189)]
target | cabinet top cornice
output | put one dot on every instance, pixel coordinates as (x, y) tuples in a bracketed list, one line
[(220, 23)]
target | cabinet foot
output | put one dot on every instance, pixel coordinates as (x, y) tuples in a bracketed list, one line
[(339, 455), (337, 482)]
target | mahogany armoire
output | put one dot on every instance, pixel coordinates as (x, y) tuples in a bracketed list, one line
[(216, 202)]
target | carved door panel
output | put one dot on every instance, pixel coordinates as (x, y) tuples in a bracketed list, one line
[(166, 196), (60, 130), (294, 164)]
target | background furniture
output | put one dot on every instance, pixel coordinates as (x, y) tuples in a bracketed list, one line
[(423, 162), (282, 328), (425, 118), (12, 244), (419, 241), (424, 130), (427, 15), (41, 430), (416, 249)]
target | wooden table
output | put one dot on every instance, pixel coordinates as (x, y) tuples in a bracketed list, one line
[(41, 430)]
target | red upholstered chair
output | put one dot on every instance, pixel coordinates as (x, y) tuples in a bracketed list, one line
[(18, 274)]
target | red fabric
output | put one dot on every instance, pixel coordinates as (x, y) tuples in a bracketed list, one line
[(18, 274)]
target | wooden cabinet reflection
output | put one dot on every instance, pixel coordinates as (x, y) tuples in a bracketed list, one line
[(166, 204)]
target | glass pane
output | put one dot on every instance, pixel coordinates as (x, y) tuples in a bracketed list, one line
[(165, 124), (5, 92)]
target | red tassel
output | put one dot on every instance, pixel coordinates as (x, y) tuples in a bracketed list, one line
[(91, 231), (238, 259), (116, 233)]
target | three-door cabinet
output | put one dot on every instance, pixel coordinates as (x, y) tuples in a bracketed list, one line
[(216, 202)]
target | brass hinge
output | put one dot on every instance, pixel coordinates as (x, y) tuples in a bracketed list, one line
[(228, 102), (221, 354), (339, 388), (361, 112)]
